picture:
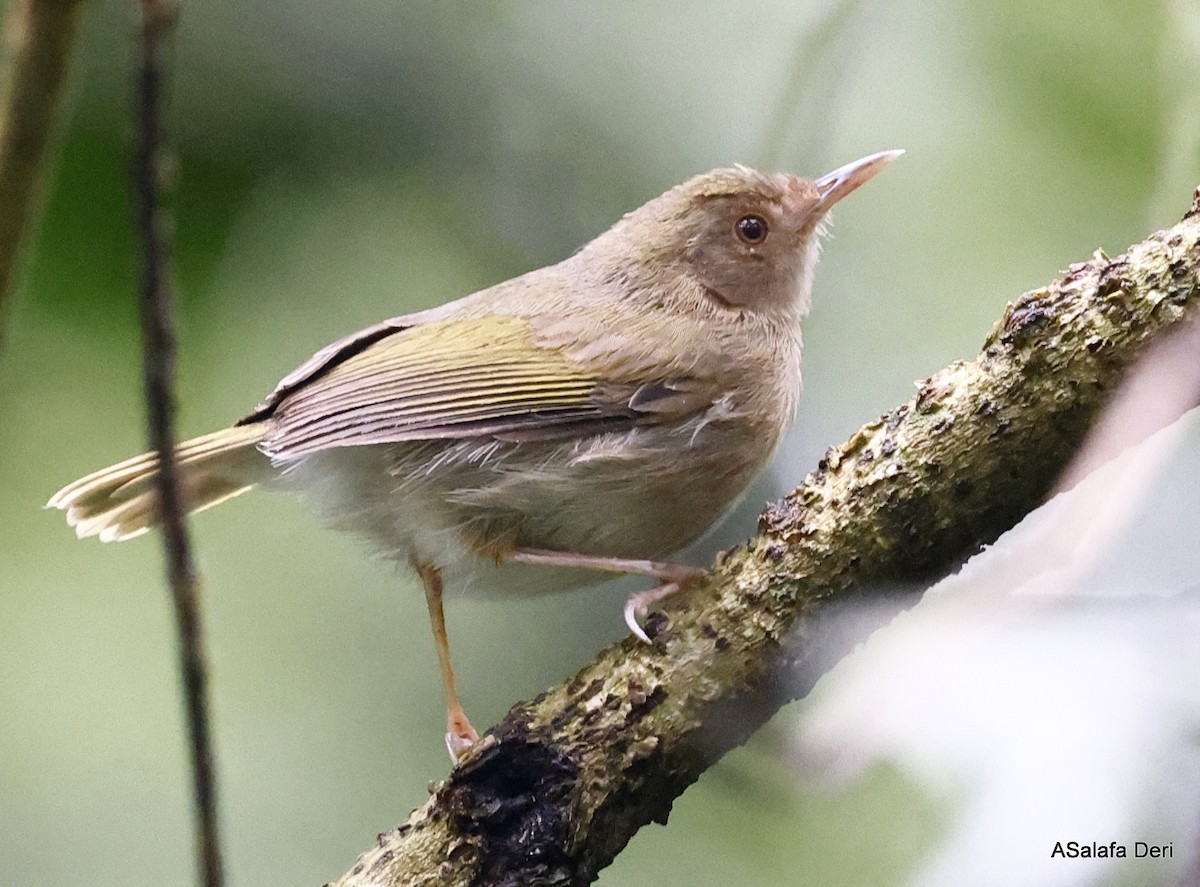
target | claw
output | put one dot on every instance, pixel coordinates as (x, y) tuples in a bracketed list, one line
[(638, 607), (460, 735), (634, 614), (458, 746)]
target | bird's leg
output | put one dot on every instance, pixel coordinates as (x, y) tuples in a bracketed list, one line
[(460, 735), (664, 571), (673, 576)]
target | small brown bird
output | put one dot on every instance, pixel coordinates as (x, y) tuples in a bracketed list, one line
[(594, 415)]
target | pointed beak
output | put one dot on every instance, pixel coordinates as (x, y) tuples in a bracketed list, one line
[(835, 185)]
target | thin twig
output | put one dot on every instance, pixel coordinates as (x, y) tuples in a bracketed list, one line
[(818, 67), (38, 38), (159, 367)]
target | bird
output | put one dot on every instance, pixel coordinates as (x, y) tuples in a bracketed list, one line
[(593, 416)]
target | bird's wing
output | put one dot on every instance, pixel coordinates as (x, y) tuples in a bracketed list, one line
[(459, 378), (325, 360)]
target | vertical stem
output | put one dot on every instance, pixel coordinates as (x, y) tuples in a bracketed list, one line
[(38, 37), (819, 63), (159, 369)]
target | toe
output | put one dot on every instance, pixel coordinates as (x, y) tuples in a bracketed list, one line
[(460, 735), (635, 612)]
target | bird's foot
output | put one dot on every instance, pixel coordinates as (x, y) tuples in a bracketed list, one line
[(673, 576), (460, 735), (637, 608)]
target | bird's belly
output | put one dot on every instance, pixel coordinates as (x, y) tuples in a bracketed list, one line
[(645, 493), (460, 505)]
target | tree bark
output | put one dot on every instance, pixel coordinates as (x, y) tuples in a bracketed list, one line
[(554, 792), (38, 37)]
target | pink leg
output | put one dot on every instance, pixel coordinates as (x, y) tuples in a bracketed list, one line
[(460, 735), (664, 571), (673, 576)]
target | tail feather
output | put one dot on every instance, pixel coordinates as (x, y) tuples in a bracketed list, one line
[(120, 502)]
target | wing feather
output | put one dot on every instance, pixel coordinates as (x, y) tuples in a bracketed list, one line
[(458, 378)]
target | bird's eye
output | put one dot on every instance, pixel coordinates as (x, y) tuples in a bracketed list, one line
[(751, 229)]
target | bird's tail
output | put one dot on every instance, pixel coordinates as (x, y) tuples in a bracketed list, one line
[(120, 502)]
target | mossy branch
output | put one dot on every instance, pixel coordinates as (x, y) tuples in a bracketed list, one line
[(38, 37), (555, 791)]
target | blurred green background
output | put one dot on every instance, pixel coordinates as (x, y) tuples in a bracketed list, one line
[(341, 164)]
